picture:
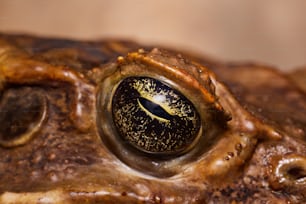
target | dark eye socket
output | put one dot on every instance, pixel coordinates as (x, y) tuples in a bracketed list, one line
[(22, 112), (154, 118)]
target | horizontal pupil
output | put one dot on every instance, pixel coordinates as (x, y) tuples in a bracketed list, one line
[(155, 108)]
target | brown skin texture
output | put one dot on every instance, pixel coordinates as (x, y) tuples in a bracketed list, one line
[(64, 149)]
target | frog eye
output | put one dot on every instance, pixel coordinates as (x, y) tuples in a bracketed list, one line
[(154, 118), (21, 115), (157, 112)]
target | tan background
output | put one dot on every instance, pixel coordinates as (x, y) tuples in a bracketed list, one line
[(268, 31)]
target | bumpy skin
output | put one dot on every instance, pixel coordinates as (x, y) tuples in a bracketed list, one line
[(253, 149)]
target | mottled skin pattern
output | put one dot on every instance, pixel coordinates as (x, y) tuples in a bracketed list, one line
[(253, 149)]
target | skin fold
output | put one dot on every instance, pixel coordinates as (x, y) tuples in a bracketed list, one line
[(59, 142)]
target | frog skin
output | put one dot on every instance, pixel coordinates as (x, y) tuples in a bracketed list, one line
[(61, 141)]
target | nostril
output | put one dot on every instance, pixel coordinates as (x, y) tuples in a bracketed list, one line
[(297, 173), (289, 171)]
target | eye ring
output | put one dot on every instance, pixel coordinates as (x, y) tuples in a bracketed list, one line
[(155, 164), (21, 119)]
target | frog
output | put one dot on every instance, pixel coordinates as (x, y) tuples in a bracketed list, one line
[(115, 121)]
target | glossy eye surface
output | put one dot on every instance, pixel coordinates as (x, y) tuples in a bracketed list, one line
[(153, 117)]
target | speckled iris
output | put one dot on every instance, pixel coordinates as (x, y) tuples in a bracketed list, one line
[(153, 117)]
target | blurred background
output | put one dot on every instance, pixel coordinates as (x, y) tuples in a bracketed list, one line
[(266, 31)]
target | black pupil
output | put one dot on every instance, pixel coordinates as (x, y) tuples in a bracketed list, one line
[(154, 108)]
